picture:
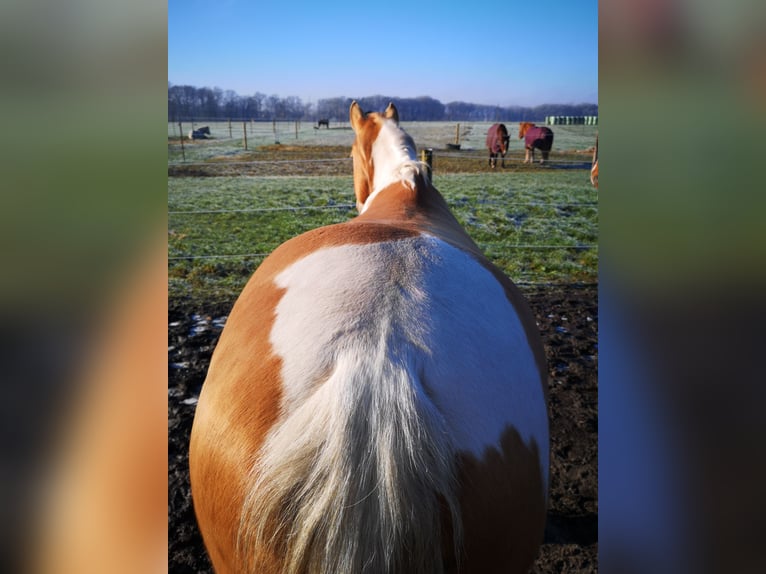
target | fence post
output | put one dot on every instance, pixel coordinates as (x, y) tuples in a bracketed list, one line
[(244, 131), (457, 135), (230, 136), (296, 129), (427, 157), (181, 131)]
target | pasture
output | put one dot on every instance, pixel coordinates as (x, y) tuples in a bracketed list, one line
[(229, 207), (569, 139), (220, 228)]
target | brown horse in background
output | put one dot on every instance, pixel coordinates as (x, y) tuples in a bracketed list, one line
[(535, 137), (497, 143)]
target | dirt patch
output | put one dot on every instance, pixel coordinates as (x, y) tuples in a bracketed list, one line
[(568, 320)]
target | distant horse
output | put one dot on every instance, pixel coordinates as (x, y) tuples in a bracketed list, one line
[(377, 400), (323, 122), (594, 167), (536, 137), (497, 143), (200, 133)]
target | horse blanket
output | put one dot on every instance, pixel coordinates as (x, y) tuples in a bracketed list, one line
[(200, 134), (495, 136), (539, 137)]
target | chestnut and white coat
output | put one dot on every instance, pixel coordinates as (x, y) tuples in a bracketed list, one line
[(377, 400)]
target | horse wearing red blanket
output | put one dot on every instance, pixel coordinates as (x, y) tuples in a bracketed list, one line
[(497, 143), (535, 137)]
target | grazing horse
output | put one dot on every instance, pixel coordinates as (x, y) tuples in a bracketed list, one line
[(323, 122), (200, 133), (377, 400), (497, 143), (594, 167), (535, 137)]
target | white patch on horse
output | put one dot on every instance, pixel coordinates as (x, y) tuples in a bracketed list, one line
[(394, 158), (426, 306)]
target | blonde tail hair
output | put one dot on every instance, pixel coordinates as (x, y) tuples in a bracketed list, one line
[(359, 478)]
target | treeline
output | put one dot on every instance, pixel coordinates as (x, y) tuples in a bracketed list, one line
[(187, 103)]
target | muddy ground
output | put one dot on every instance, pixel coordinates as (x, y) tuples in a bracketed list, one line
[(568, 320)]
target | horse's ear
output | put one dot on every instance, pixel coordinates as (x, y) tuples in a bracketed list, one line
[(356, 115), (392, 113)]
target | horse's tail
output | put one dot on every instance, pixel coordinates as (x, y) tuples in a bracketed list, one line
[(358, 478)]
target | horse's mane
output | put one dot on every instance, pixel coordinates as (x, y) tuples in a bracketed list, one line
[(524, 127), (408, 169)]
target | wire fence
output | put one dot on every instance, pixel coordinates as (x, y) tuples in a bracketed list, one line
[(536, 228), (510, 158), (262, 162), (586, 204), (446, 137), (579, 247)]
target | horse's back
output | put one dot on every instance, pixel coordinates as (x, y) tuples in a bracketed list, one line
[(491, 135), (540, 137), (358, 322), (416, 296), (425, 319), (370, 287)]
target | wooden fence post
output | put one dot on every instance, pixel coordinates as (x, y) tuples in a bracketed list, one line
[(427, 157), (244, 131), (230, 136), (181, 131), (457, 135)]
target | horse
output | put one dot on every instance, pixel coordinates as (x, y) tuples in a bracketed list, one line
[(377, 399), (536, 137), (497, 143), (323, 122), (594, 167), (200, 133)]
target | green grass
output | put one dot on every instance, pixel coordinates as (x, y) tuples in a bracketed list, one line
[(516, 218)]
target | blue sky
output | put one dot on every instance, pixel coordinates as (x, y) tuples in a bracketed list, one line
[(496, 52)]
